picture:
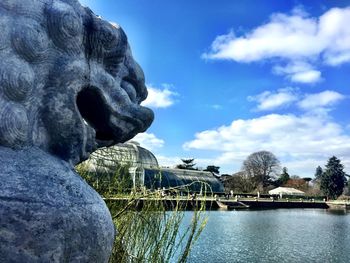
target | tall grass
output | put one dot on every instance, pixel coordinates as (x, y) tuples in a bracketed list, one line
[(150, 228), (149, 232)]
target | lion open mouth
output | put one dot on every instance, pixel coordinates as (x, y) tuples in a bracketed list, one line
[(96, 114), (111, 126)]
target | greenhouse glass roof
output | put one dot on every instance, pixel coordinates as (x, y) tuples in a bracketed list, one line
[(185, 180)]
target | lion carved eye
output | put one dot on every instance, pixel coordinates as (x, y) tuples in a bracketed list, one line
[(108, 45), (109, 40)]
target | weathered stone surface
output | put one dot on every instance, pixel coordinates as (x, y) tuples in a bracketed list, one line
[(68, 85), (53, 216)]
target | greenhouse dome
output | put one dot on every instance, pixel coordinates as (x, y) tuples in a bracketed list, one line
[(145, 171), (130, 153)]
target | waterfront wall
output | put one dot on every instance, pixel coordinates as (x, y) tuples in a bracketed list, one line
[(210, 204), (263, 204)]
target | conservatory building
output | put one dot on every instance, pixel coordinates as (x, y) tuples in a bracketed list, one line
[(146, 172)]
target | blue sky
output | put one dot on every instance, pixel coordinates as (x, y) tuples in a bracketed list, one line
[(228, 78)]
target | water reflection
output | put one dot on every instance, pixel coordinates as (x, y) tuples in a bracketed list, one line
[(294, 235), (340, 212)]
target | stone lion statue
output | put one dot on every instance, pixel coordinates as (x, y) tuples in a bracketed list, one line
[(68, 85)]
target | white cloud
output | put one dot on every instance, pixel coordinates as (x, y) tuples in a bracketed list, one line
[(269, 100), (168, 161), (310, 76), (291, 138), (285, 36), (316, 103), (160, 97), (294, 38), (299, 71), (148, 141), (323, 99)]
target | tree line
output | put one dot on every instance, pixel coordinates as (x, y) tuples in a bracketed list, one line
[(261, 171)]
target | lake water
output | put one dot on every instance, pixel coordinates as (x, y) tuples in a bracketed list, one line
[(281, 235)]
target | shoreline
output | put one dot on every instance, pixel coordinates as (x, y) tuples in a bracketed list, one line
[(230, 204)]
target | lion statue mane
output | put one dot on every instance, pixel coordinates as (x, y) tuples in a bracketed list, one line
[(68, 85)]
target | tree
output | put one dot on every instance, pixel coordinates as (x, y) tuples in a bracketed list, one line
[(187, 164), (318, 173), (307, 179), (213, 169), (333, 178), (297, 183), (284, 177), (261, 167), (239, 183)]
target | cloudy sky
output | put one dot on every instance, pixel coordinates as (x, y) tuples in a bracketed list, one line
[(227, 78)]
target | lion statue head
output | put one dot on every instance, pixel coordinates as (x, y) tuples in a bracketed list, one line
[(68, 80)]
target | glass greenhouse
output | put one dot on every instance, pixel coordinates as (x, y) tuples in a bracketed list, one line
[(183, 180), (145, 171)]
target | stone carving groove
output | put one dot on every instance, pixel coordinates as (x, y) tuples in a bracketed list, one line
[(68, 85)]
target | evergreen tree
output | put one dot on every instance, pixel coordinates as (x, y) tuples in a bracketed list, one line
[(333, 179), (187, 164), (318, 173), (213, 169), (284, 177)]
